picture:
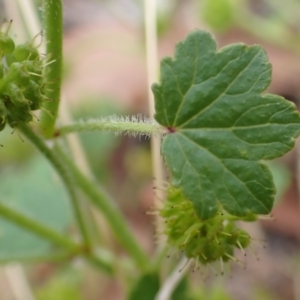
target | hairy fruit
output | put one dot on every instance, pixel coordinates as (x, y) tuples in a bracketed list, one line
[(21, 81), (207, 241)]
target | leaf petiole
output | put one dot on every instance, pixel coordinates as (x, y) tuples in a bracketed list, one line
[(132, 126)]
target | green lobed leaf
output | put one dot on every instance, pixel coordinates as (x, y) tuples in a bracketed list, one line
[(220, 126)]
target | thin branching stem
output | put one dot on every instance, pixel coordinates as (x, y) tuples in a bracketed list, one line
[(65, 175), (37, 228), (71, 248), (105, 204)]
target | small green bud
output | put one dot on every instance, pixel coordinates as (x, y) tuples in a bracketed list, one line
[(25, 52), (34, 95), (18, 73), (16, 95), (7, 45), (18, 115), (35, 70)]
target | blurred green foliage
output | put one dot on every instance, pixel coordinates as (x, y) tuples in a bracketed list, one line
[(35, 190), (215, 293), (14, 149), (63, 286), (218, 14)]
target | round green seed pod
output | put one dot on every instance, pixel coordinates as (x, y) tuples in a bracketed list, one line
[(25, 52), (16, 96), (9, 59), (34, 94), (18, 74), (35, 70), (7, 45), (18, 114)]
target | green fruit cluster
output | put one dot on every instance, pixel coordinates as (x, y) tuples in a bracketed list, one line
[(21, 81), (207, 241)]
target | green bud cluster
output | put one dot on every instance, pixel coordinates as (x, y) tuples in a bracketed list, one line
[(21, 81), (207, 241)]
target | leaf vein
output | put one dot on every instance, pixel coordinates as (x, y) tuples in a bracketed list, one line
[(193, 168), (196, 84), (221, 162), (234, 127), (220, 95)]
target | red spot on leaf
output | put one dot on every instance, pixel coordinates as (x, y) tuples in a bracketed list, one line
[(171, 129)]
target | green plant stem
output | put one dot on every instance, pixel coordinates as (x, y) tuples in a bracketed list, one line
[(37, 228), (100, 263), (116, 220), (104, 262), (53, 71), (132, 126), (63, 172)]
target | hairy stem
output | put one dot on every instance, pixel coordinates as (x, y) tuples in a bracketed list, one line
[(63, 172), (131, 126), (37, 228), (53, 71), (113, 216)]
